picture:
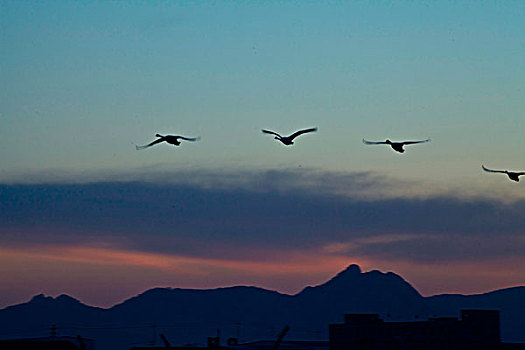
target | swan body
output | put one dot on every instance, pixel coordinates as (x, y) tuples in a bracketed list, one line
[(288, 140), (514, 176), (171, 139), (396, 146)]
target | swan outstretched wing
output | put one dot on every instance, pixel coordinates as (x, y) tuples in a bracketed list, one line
[(189, 138), (374, 143), (414, 142), (271, 132), (149, 144), (300, 132), (492, 170)]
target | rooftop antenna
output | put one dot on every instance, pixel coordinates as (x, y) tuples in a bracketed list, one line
[(81, 342), (238, 329), (280, 337), (53, 330), (154, 338), (165, 340)]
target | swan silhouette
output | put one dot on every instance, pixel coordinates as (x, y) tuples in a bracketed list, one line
[(171, 139), (515, 176), (397, 146), (288, 140)]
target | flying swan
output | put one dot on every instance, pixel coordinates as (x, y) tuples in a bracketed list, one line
[(288, 140), (171, 139), (397, 146), (515, 176)]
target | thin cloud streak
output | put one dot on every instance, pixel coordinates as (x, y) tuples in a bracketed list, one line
[(295, 262)]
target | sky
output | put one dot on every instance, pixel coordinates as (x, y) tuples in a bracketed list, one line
[(84, 213)]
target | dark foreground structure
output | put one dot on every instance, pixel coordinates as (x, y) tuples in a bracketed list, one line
[(48, 343), (476, 330)]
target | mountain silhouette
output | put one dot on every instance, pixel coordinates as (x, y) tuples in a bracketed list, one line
[(374, 291), (352, 287), (226, 305), (250, 313)]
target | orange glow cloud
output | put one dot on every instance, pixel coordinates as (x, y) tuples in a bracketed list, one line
[(295, 262)]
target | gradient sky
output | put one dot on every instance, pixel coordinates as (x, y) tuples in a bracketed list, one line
[(81, 83)]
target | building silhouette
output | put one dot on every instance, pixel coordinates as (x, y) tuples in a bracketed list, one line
[(476, 330)]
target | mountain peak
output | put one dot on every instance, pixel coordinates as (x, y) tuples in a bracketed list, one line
[(64, 298), (353, 283), (351, 273), (39, 298), (352, 269)]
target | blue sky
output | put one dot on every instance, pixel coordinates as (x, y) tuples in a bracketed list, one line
[(83, 82)]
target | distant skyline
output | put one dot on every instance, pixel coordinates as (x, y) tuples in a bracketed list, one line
[(83, 83)]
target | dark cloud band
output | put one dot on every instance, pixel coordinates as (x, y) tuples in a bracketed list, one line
[(270, 210)]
